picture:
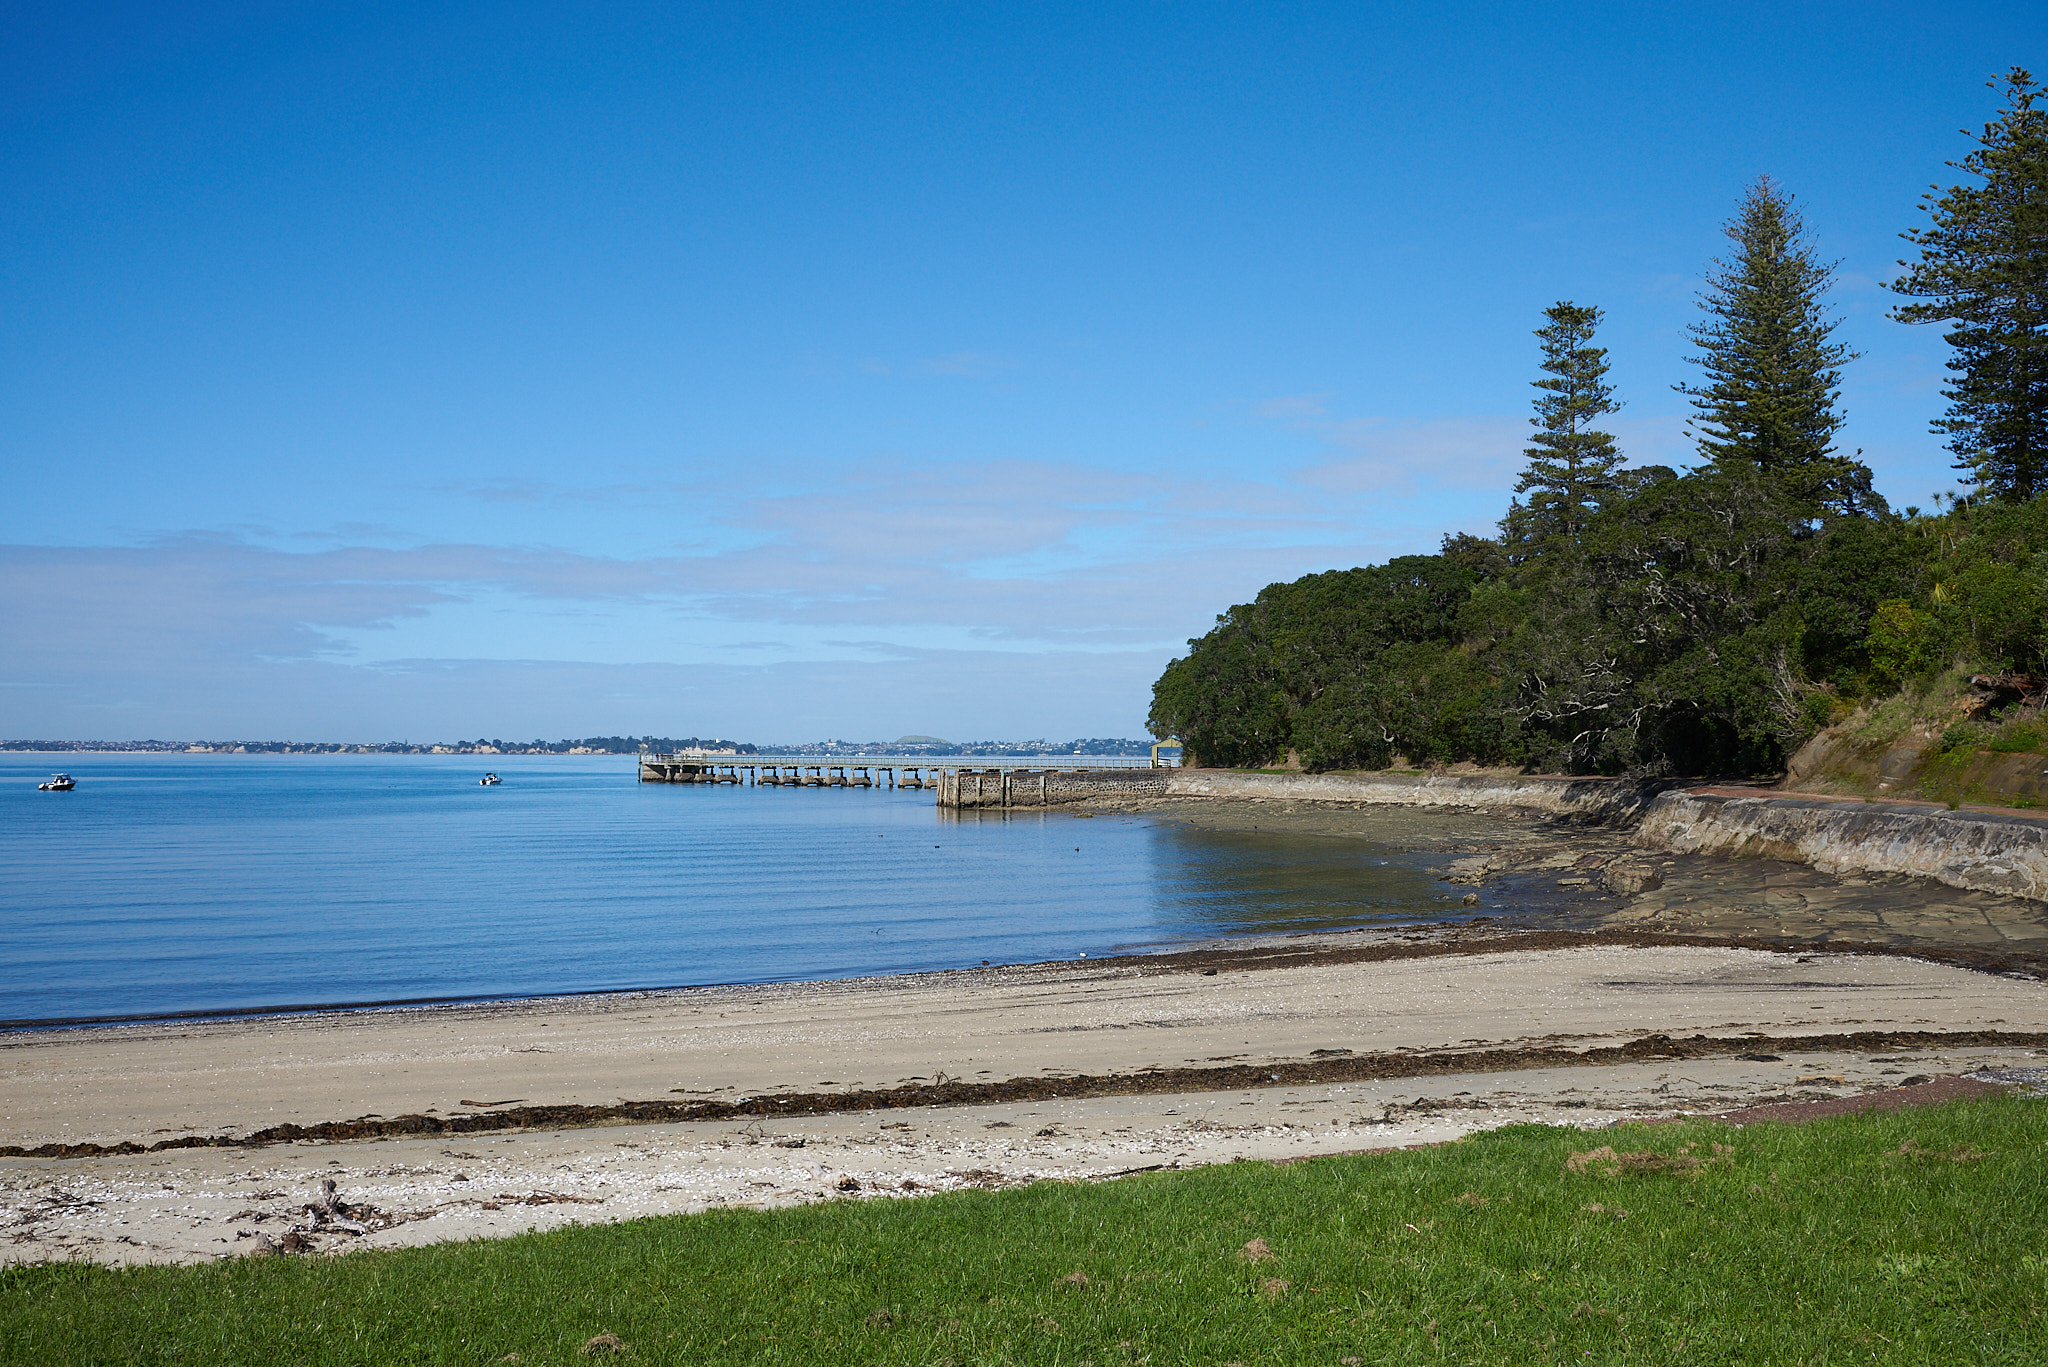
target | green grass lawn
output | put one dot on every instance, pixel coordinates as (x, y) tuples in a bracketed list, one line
[(1920, 1236)]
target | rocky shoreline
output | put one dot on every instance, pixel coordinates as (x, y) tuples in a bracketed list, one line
[(1977, 850), (1531, 871)]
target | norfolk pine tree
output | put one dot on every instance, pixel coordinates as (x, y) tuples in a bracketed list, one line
[(1572, 464), (1767, 403), (1983, 268), (1558, 660)]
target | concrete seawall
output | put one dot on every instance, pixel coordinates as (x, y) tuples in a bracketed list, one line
[(1601, 801), (1976, 851)]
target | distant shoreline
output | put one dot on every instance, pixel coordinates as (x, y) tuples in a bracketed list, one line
[(151, 747), (625, 746)]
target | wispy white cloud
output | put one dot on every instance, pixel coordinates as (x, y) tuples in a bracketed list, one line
[(1396, 459), (1659, 439), (942, 571), (958, 693), (1668, 285)]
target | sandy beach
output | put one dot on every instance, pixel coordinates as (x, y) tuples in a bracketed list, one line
[(1521, 1018)]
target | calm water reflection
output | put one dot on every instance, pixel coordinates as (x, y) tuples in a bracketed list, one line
[(170, 883)]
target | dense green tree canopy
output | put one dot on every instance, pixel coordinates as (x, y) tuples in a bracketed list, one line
[(1654, 621), (1700, 627), (1639, 619)]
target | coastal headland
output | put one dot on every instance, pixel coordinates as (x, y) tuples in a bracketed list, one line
[(1594, 980)]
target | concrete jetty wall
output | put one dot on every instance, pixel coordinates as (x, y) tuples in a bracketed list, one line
[(1046, 787)]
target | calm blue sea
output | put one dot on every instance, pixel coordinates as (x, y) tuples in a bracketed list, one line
[(193, 883)]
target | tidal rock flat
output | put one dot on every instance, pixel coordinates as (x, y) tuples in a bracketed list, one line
[(1533, 869)]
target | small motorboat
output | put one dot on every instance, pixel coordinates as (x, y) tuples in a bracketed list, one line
[(59, 783), (489, 780)]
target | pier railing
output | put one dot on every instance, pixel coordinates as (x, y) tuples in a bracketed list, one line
[(993, 762), (961, 780)]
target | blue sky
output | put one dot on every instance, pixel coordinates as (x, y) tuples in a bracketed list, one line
[(795, 371)]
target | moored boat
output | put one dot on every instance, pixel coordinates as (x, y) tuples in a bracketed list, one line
[(488, 780), (58, 783)]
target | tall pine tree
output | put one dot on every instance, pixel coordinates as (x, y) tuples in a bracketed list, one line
[(1572, 463), (1772, 374), (1983, 268)]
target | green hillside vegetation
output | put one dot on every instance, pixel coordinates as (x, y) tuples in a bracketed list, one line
[(1956, 737), (1644, 620)]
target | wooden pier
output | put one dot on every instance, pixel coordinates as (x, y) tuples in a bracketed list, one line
[(958, 783), (786, 774)]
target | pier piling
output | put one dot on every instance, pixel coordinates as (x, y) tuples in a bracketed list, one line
[(956, 783)]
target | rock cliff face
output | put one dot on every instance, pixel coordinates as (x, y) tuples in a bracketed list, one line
[(1979, 851)]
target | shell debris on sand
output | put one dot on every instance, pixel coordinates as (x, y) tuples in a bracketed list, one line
[(188, 1205)]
